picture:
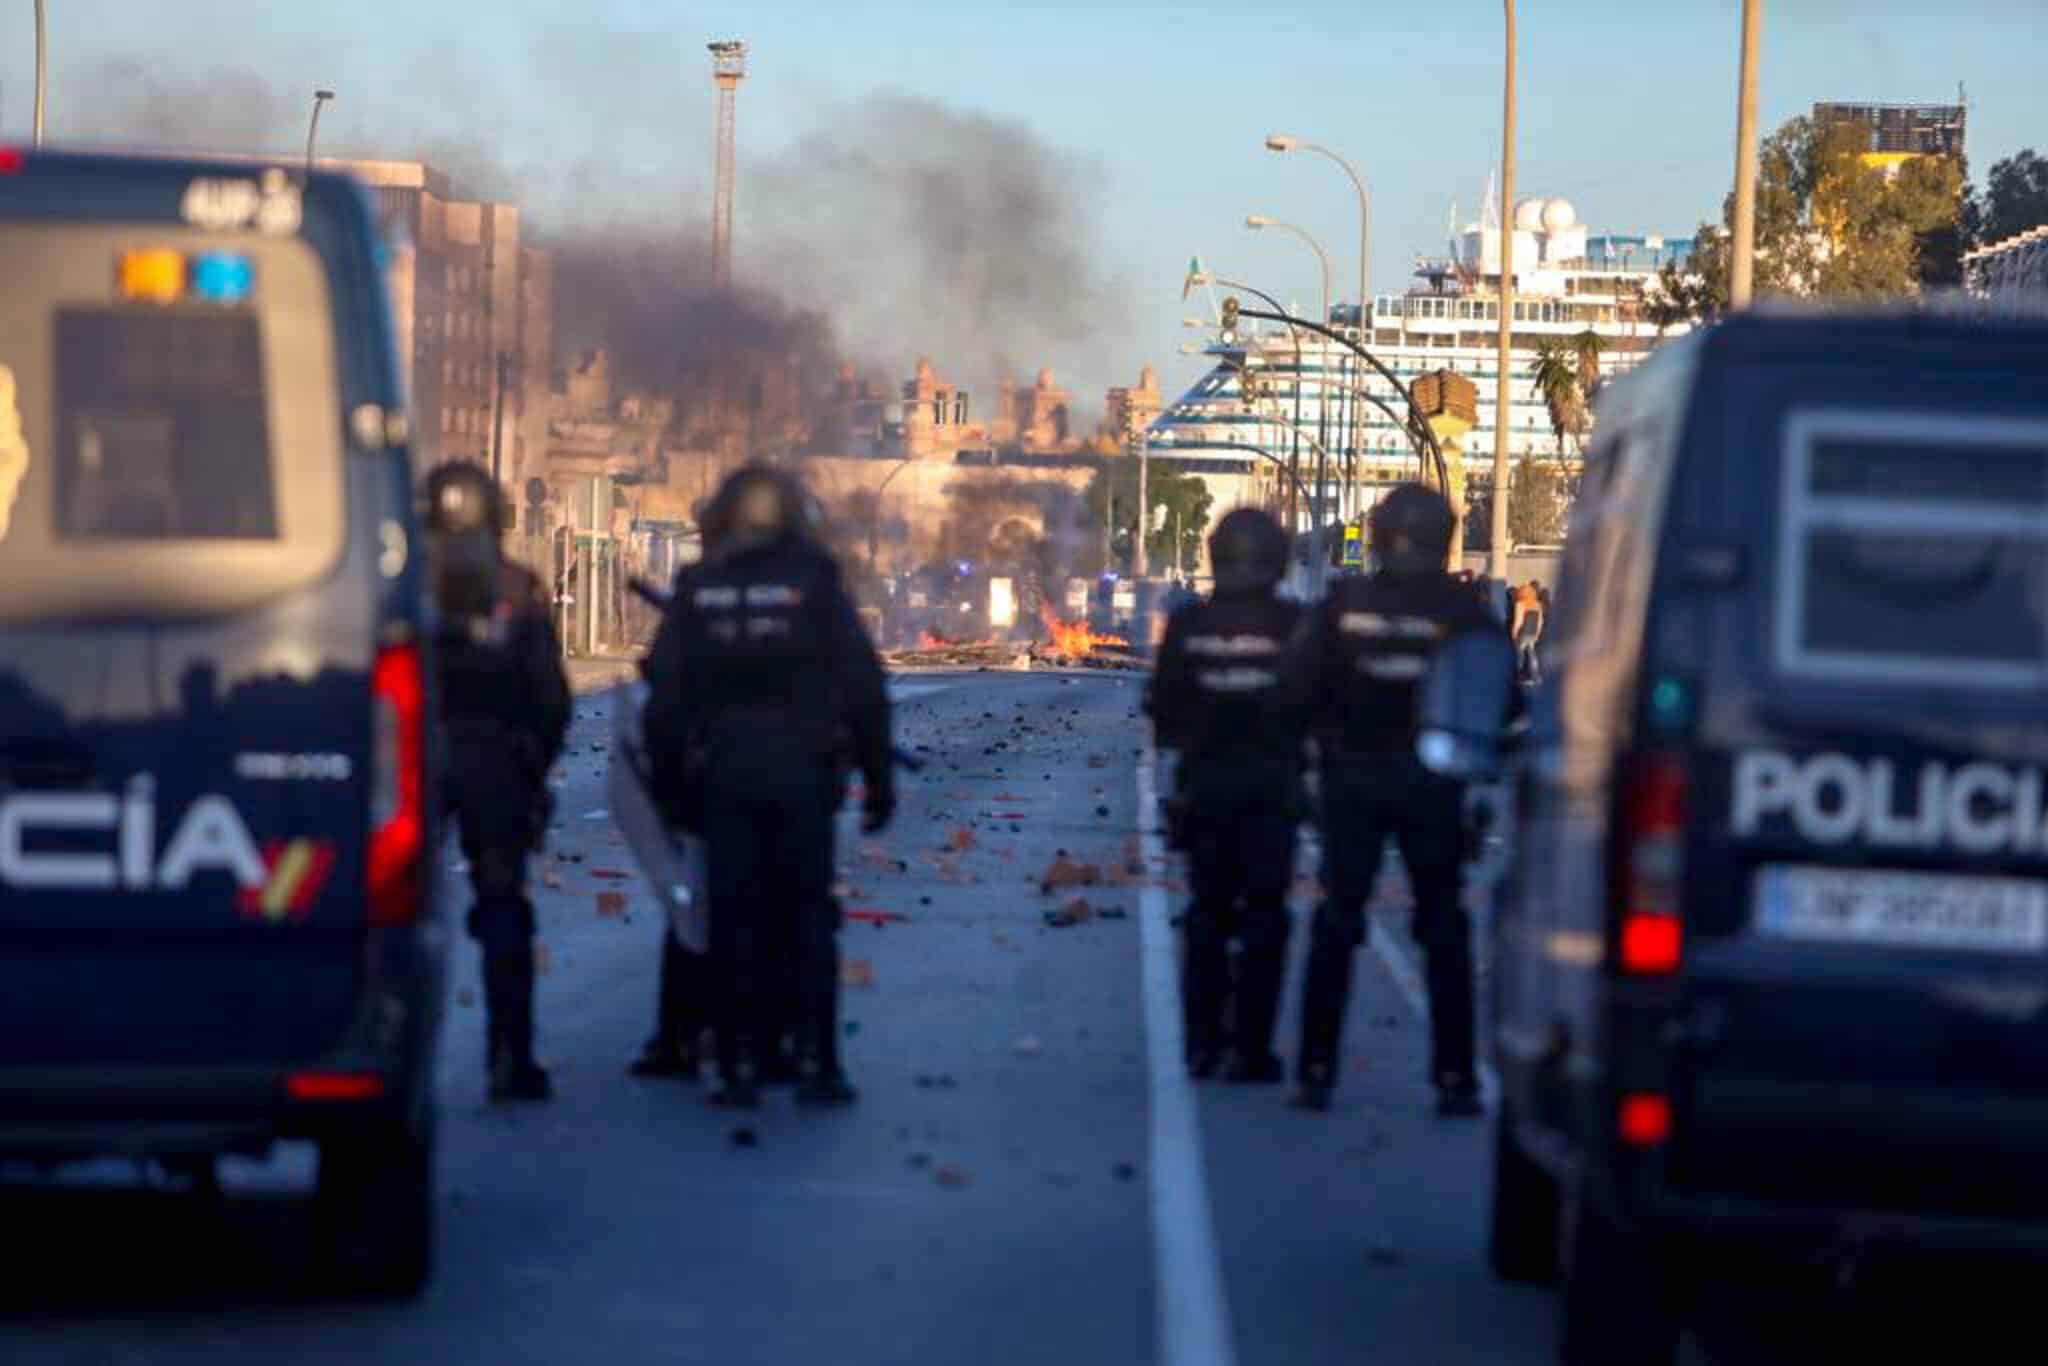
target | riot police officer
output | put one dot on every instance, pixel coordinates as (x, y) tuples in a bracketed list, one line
[(759, 673), (1356, 664), (505, 707), (1216, 696)]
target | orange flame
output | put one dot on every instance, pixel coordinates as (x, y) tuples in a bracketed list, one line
[(1073, 639)]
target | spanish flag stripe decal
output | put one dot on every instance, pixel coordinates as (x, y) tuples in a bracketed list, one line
[(284, 878), (319, 863)]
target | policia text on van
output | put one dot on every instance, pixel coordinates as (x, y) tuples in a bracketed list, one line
[(1772, 957), (211, 940)]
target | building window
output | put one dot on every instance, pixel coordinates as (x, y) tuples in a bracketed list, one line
[(447, 422)]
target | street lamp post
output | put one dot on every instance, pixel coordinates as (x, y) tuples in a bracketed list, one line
[(1497, 555), (1256, 221), (42, 67), (1742, 251), (320, 97), (1282, 142), (1139, 566)]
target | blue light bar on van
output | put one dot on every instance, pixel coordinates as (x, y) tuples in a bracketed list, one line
[(223, 277)]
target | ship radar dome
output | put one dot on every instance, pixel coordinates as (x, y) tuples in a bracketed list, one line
[(1559, 214), (1529, 216)]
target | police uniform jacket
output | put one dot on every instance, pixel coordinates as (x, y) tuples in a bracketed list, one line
[(1216, 693), (761, 659), (1366, 647)]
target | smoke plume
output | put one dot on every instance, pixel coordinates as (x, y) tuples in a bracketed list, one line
[(889, 227)]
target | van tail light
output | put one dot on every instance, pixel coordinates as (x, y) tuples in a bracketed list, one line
[(334, 1086), (397, 796), (1651, 867), (1644, 1119)]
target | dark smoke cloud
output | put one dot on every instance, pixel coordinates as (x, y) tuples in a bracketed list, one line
[(895, 227), (930, 230)]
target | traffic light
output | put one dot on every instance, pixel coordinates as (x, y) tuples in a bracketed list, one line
[(1230, 307)]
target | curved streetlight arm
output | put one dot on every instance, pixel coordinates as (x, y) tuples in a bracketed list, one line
[(875, 512), (1418, 427), (1364, 219), (1263, 454), (1369, 397), (320, 98)]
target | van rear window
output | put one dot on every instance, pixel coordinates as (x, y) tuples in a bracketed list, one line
[(170, 421), (162, 433), (1914, 549)]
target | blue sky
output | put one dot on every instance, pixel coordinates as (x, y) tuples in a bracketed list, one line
[(1156, 112)]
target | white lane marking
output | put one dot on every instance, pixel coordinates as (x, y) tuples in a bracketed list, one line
[(903, 692), (1401, 968), (1194, 1315), (1408, 981)]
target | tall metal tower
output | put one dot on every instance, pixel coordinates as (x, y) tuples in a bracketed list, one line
[(728, 69)]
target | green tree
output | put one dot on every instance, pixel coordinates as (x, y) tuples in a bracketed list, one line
[(1827, 224), (1587, 348), (1168, 491), (1557, 378), (2015, 197), (1535, 504)]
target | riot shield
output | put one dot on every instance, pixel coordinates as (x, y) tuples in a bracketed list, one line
[(1464, 705), (671, 860)]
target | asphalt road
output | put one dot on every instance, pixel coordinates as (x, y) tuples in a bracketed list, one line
[(1027, 1178)]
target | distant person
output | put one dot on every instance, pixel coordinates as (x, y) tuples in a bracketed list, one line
[(1356, 663), (1527, 626), (1217, 697)]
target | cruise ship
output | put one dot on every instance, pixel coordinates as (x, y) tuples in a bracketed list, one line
[(1567, 279)]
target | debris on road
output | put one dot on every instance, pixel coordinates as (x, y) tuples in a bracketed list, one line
[(877, 918), (1028, 1046), (936, 1081), (950, 1176), (543, 960), (857, 972), (1125, 1171), (1064, 872), (1074, 912), (611, 905), (961, 839), (744, 1137)]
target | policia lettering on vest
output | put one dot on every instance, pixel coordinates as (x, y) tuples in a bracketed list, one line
[(1355, 666)]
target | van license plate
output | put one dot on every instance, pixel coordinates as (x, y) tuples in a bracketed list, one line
[(1904, 910)]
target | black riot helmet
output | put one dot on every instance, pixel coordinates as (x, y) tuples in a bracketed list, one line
[(1248, 550), (1411, 530), (465, 518), (758, 506)]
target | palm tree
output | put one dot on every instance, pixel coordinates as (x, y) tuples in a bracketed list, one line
[(1586, 350), (1557, 378)]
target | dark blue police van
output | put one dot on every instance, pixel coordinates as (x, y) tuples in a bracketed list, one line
[(217, 803), (1771, 967)]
